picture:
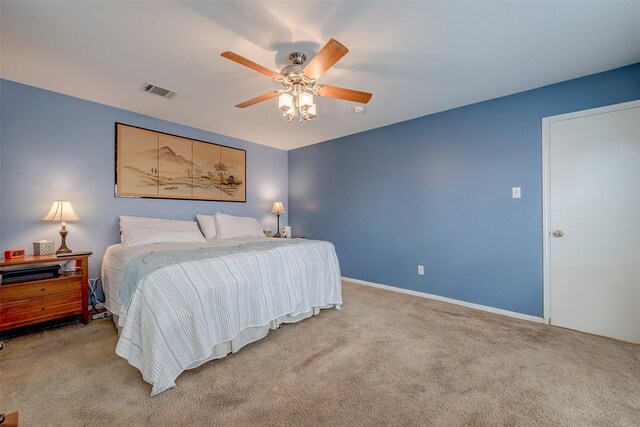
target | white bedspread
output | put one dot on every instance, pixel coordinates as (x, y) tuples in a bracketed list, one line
[(182, 315)]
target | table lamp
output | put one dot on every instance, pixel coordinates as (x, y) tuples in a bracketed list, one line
[(278, 209), (62, 211)]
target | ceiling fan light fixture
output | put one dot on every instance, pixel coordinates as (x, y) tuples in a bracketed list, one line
[(289, 115), (305, 100), (285, 102), (299, 104), (311, 112)]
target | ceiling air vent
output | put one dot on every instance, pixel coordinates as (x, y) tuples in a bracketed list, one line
[(157, 90)]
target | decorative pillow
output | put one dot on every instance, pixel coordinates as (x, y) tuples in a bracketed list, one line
[(137, 231), (228, 226), (208, 225)]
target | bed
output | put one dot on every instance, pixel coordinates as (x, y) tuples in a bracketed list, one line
[(179, 305)]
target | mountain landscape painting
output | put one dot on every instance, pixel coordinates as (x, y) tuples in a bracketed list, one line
[(157, 165), (175, 166)]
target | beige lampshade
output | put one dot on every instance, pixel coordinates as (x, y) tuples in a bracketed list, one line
[(62, 211), (278, 208)]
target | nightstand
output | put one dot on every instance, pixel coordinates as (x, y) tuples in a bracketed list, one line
[(36, 301)]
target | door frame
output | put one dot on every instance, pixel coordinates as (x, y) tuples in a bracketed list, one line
[(546, 191)]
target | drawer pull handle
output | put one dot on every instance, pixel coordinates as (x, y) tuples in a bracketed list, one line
[(43, 289), (43, 308)]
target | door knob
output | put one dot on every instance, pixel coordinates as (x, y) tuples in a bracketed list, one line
[(558, 233)]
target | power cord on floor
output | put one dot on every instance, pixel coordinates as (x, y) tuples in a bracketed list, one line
[(93, 296)]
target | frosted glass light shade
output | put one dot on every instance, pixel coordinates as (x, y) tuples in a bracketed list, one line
[(305, 100), (62, 211), (278, 208), (285, 102), (312, 111)]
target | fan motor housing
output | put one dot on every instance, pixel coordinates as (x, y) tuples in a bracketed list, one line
[(292, 69), (298, 58)]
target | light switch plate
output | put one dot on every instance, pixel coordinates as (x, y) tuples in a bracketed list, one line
[(516, 193)]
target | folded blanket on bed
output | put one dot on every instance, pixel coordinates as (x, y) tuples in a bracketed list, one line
[(143, 264)]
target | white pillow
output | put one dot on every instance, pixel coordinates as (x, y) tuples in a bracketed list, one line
[(207, 225), (137, 231), (228, 226)]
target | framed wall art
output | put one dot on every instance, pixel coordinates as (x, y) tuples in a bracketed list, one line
[(162, 166)]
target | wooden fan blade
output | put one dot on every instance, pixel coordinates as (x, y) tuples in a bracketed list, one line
[(346, 94), (328, 55), (247, 63), (257, 99)]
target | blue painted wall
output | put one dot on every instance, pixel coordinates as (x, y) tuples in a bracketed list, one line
[(59, 147), (436, 191)]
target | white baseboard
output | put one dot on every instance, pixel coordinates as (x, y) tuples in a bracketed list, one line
[(449, 300)]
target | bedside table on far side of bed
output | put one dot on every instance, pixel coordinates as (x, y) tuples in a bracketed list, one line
[(40, 300)]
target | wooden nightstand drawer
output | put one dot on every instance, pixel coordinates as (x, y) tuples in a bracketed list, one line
[(43, 288), (40, 308), (40, 300)]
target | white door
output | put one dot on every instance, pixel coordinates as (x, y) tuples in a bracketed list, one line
[(593, 221)]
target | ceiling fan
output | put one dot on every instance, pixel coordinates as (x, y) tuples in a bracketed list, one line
[(299, 81)]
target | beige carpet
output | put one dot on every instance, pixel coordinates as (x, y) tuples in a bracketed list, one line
[(385, 359)]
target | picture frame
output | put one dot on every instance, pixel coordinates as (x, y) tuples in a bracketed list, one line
[(157, 165)]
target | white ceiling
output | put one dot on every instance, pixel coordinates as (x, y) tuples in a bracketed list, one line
[(416, 58)]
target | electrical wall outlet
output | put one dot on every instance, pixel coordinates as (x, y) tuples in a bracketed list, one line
[(516, 192), (421, 270)]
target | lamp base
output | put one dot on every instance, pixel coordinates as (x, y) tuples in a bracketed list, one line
[(278, 226), (63, 249)]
